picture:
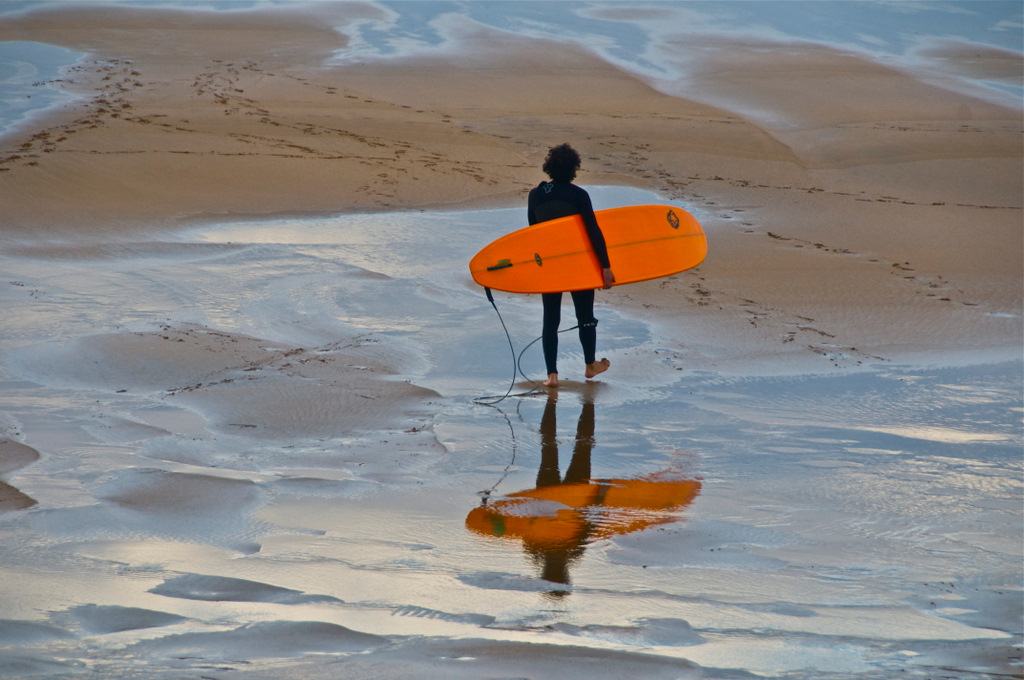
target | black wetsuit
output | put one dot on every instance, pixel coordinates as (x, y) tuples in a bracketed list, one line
[(549, 201)]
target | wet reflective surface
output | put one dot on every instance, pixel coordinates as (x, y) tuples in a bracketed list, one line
[(197, 506), (556, 520)]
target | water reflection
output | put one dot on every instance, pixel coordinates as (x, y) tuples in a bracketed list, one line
[(557, 520)]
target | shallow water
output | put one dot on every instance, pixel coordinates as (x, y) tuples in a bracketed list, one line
[(641, 38), (29, 75), (199, 512)]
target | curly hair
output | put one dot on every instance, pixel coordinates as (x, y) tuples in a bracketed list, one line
[(562, 163)]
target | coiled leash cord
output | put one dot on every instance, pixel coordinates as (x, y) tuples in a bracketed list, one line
[(517, 368)]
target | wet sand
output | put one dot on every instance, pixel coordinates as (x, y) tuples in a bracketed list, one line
[(240, 350)]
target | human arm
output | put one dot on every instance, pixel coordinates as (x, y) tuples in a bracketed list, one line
[(531, 213), (596, 237)]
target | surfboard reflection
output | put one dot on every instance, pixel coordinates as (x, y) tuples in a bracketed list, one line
[(557, 520)]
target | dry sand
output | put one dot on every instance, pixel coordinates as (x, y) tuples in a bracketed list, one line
[(856, 213)]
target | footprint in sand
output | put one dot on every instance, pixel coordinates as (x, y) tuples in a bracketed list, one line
[(934, 286), (788, 326)]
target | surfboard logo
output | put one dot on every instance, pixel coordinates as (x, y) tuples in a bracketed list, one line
[(673, 219), (536, 257)]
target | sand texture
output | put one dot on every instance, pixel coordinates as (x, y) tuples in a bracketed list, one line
[(241, 358)]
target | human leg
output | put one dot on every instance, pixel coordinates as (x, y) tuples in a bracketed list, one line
[(583, 301), (549, 334)]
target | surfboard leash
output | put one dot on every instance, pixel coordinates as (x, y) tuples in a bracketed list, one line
[(517, 368), (485, 494), (491, 401)]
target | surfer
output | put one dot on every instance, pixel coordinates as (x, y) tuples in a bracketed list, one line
[(561, 198)]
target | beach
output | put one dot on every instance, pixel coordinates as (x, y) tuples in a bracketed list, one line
[(251, 413)]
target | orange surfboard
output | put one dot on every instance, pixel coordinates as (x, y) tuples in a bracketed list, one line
[(644, 242), (582, 511)]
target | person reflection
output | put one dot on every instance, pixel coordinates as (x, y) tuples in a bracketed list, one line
[(554, 557), (558, 518)]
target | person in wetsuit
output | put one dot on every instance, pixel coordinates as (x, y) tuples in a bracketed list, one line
[(550, 200)]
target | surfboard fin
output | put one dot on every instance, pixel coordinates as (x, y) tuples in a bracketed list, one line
[(502, 264)]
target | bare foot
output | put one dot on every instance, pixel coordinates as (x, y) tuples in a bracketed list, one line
[(552, 380), (597, 367)]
